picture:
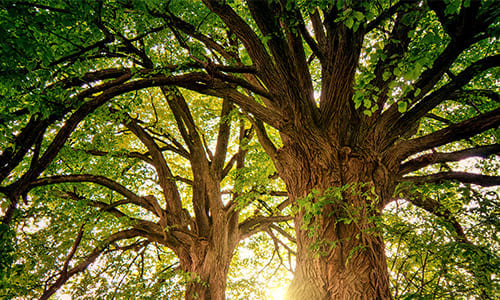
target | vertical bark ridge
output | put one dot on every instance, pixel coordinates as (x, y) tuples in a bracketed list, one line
[(341, 254)]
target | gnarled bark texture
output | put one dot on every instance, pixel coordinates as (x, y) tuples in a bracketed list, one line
[(340, 251)]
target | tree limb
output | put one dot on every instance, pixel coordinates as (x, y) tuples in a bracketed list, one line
[(250, 40), (463, 177), (82, 266), (256, 224), (173, 201), (222, 138), (133, 154), (435, 98), (434, 207), (101, 180), (434, 158), (462, 130)]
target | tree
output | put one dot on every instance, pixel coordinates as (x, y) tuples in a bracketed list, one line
[(367, 98), (140, 147)]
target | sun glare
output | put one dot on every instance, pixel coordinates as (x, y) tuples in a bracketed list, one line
[(278, 293)]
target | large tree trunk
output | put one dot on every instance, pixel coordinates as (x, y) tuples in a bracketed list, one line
[(341, 262), (338, 195)]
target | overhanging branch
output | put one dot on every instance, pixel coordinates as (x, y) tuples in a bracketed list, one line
[(449, 134), (101, 180), (435, 98), (434, 158), (463, 177), (434, 207)]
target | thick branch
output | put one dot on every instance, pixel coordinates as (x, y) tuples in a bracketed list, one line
[(463, 177), (11, 157), (433, 158), (449, 134), (260, 223), (251, 41), (165, 176), (222, 138), (101, 180), (315, 48), (434, 207), (249, 105), (318, 28)]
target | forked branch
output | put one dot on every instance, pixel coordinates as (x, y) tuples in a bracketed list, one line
[(89, 259)]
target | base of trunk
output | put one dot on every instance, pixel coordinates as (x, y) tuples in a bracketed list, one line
[(341, 261)]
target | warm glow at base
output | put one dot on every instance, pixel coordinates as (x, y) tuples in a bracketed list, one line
[(278, 293)]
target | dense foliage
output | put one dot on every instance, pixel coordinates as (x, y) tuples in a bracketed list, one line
[(150, 149)]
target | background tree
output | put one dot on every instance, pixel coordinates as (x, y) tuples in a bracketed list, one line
[(367, 97), (137, 166)]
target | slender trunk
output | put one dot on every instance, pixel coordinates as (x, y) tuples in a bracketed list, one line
[(206, 273), (338, 195), (208, 282), (206, 263)]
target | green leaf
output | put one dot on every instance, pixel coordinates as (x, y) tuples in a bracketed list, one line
[(349, 22), (402, 106), (386, 75)]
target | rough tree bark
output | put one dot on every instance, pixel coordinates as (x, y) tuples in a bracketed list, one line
[(340, 251), (206, 264)]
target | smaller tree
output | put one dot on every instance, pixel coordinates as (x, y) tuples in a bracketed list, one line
[(124, 169)]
